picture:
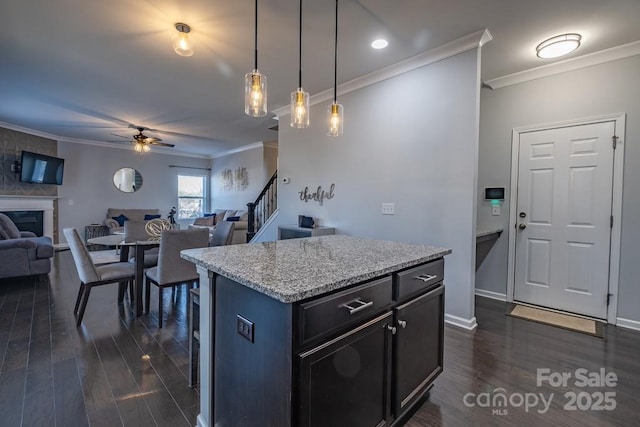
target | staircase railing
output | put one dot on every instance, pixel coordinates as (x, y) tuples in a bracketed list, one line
[(265, 204)]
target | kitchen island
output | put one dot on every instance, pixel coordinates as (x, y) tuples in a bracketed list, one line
[(331, 330)]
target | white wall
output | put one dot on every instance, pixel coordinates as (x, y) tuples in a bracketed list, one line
[(237, 198), (88, 189), (598, 90), (411, 140)]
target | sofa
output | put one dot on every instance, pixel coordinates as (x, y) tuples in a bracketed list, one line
[(22, 253), (116, 217), (239, 217)]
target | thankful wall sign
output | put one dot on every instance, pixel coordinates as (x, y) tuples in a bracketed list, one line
[(319, 195)]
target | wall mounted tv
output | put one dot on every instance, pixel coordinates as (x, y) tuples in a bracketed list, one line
[(41, 169)]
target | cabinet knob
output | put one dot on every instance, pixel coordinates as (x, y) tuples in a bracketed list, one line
[(392, 329), (402, 323)]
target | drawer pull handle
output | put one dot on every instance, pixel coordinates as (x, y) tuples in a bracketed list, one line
[(361, 305), (426, 277)]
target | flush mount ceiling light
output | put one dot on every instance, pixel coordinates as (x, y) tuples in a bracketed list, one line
[(182, 44), (558, 46), (255, 84), (379, 44)]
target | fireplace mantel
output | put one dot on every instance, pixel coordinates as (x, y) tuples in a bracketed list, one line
[(31, 203)]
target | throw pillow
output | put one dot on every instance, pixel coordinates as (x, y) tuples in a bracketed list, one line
[(147, 217), (233, 218), (9, 228), (208, 221), (121, 219)]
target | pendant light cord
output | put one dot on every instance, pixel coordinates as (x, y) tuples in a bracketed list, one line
[(335, 60), (256, 35), (300, 49)]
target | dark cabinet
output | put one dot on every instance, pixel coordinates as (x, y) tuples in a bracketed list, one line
[(417, 347), (345, 382)]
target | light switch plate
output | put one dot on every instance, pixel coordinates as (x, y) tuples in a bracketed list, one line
[(388, 209), (495, 210)]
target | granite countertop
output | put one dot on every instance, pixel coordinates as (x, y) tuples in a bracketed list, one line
[(296, 269)]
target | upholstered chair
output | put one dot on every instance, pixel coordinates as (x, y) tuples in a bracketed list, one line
[(92, 275), (172, 270), (223, 234), (136, 231)]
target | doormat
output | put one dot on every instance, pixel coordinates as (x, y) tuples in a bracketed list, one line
[(564, 321)]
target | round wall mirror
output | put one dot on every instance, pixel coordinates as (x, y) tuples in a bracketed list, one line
[(127, 180)]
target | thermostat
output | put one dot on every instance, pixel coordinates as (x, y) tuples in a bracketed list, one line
[(494, 193)]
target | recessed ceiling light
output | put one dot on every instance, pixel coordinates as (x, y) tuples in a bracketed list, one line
[(558, 46), (379, 44)]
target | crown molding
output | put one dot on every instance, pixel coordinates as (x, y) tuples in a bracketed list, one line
[(595, 58), (447, 50), (157, 150), (245, 148)]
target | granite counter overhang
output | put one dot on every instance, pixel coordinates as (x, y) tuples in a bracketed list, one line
[(296, 269)]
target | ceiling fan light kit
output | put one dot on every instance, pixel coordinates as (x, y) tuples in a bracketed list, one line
[(558, 46), (255, 83), (182, 44)]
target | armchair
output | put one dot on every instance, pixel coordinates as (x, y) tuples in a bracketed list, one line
[(22, 253)]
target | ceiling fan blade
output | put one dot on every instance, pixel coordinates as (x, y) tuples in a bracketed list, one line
[(120, 136), (161, 144)]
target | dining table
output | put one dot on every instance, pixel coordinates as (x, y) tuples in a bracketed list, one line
[(139, 246)]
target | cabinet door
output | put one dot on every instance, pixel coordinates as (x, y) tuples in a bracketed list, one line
[(418, 347), (345, 382)]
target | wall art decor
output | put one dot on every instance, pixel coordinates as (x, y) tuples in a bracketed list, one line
[(319, 195)]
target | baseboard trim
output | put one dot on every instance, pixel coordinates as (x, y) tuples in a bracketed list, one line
[(468, 324), (490, 294), (628, 323)]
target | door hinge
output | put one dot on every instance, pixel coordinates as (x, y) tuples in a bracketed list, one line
[(611, 221), (614, 139)]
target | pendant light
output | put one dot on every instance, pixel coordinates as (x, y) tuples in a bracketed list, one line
[(335, 110), (182, 45), (255, 84), (300, 98)]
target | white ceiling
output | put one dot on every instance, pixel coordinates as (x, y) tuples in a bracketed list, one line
[(87, 69)]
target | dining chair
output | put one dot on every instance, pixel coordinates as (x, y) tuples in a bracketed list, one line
[(222, 234), (92, 275), (136, 231), (172, 270)]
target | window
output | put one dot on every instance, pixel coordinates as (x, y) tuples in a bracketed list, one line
[(190, 196)]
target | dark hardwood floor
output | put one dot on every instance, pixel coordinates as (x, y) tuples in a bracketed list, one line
[(119, 370)]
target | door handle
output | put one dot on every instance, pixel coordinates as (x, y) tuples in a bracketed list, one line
[(522, 226)]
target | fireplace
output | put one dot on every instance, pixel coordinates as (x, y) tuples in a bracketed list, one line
[(28, 220), (41, 206)]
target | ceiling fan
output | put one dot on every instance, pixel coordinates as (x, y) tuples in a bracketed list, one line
[(142, 141)]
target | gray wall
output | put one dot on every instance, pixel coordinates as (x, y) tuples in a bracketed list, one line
[(411, 140), (603, 89), (88, 189), (255, 162)]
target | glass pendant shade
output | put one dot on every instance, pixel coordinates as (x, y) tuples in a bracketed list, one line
[(182, 44), (299, 109), (335, 119), (141, 148), (255, 94)]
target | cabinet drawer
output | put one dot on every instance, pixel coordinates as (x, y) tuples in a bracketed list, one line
[(417, 279), (324, 315)]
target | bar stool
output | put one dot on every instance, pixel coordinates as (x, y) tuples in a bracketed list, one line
[(194, 335)]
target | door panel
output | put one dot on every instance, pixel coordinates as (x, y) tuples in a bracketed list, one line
[(565, 178)]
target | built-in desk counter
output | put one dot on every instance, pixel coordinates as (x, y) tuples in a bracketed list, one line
[(485, 239), (272, 312)]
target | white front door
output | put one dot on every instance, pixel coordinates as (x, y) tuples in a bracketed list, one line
[(563, 214)]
